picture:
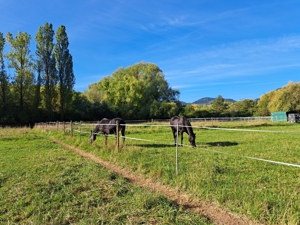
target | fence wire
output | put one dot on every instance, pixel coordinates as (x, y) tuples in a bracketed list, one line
[(93, 124)]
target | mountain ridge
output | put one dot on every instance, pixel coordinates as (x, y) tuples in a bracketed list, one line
[(209, 100)]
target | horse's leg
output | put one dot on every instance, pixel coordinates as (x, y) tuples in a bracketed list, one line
[(174, 136), (123, 135), (181, 133)]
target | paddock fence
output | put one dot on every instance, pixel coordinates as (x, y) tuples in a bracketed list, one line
[(226, 119), (84, 129)]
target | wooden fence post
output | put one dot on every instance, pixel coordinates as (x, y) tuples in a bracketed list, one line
[(80, 131), (71, 128), (152, 124), (117, 137)]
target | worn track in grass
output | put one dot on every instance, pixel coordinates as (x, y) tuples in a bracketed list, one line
[(214, 213)]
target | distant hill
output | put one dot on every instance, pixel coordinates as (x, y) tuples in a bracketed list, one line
[(208, 100)]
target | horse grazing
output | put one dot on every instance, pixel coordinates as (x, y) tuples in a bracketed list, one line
[(108, 126), (184, 125)]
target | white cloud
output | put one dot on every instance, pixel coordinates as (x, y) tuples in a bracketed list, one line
[(244, 58)]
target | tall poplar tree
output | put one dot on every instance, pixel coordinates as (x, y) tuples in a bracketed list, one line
[(64, 65), (46, 66), (37, 97), (4, 81), (21, 61)]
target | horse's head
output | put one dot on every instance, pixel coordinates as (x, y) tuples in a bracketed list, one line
[(192, 140), (92, 137)]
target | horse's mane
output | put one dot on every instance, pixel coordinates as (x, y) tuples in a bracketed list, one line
[(100, 123), (108, 124)]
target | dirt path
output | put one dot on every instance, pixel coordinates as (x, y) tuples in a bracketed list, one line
[(206, 209)]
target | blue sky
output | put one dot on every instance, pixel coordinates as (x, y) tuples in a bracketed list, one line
[(236, 49)]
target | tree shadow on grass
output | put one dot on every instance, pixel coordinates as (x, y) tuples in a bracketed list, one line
[(221, 143)]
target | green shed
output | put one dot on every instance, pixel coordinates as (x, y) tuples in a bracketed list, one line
[(290, 116), (278, 116)]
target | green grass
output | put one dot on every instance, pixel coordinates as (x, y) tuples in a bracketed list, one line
[(217, 169), (44, 183)]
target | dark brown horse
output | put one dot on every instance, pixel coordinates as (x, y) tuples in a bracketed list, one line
[(184, 125), (108, 126)]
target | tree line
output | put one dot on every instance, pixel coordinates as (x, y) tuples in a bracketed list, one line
[(141, 92), (286, 98), (41, 88)]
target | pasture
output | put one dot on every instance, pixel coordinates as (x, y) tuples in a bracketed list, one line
[(226, 168), (42, 182)]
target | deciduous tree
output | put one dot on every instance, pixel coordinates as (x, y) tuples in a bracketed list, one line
[(286, 98), (21, 61), (4, 81), (242, 108), (46, 66), (132, 90), (219, 105), (64, 65)]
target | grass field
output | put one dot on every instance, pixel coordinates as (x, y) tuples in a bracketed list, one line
[(217, 170), (44, 183)]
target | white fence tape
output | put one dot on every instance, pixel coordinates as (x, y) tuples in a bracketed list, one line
[(209, 150)]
